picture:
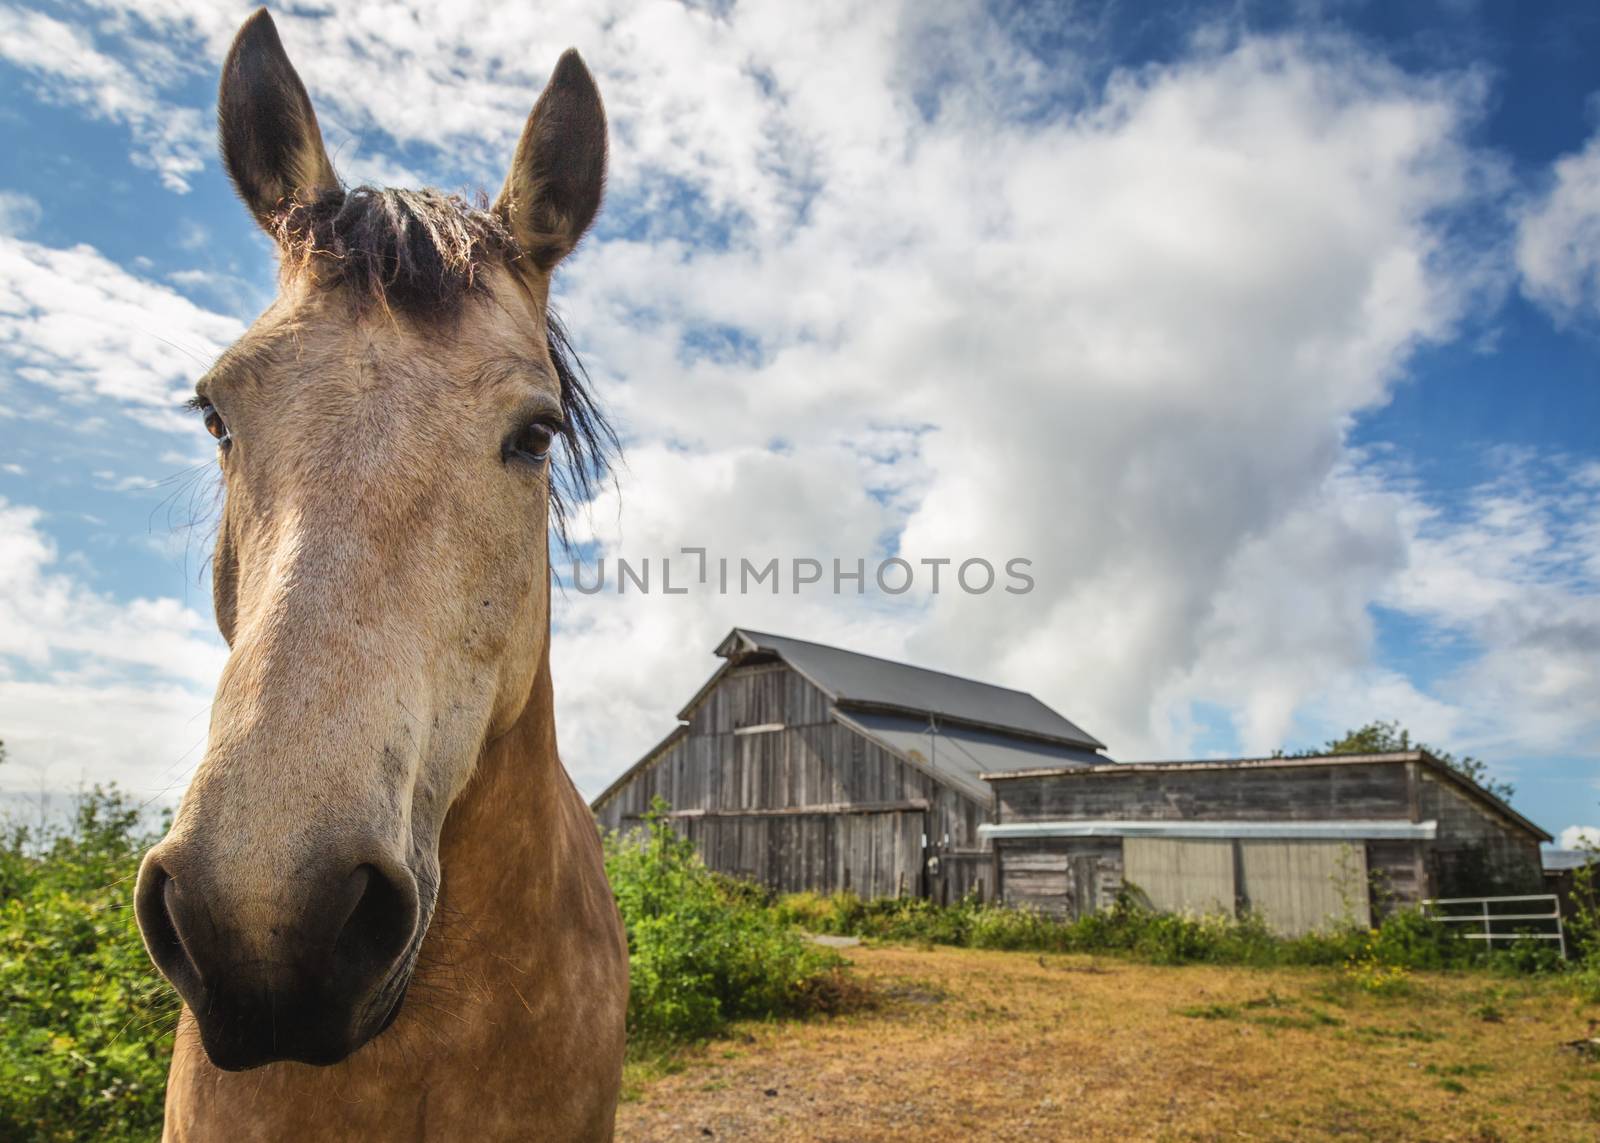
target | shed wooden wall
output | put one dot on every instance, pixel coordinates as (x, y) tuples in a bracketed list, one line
[(1298, 886), (1477, 851), (1292, 794), (1063, 876), (814, 805)]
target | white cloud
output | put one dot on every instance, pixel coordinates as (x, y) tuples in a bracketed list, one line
[(19, 213), (1579, 837), (1504, 582), (1558, 241), (74, 322), (1517, 571), (109, 481), (92, 687)]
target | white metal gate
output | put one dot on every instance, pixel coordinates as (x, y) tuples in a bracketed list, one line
[(1483, 919)]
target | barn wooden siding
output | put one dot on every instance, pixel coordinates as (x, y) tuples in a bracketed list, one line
[(1298, 884), (809, 805)]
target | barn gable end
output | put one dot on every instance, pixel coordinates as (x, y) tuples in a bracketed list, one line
[(780, 777)]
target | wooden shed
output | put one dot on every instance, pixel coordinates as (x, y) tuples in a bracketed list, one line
[(1301, 841), (804, 766)]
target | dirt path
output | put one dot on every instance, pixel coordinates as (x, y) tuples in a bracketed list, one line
[(983, 1045)]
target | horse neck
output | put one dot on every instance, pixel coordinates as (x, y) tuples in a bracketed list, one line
[(505, 849)]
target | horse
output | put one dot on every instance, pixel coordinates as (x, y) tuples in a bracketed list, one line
[(382, 901)]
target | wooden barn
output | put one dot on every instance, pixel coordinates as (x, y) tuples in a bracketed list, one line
[(1299, 841), (804, 766)]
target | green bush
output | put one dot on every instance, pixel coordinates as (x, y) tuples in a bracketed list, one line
[(705, 950), (85, 1021), (1583, 935), (1406, 939), (1012, 929), (1409, 939)]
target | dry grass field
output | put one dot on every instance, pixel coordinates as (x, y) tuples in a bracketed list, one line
[(991, 1045)]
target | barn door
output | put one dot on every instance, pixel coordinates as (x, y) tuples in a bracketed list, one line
[(1182, 875), (1302, 886), (880, 854)]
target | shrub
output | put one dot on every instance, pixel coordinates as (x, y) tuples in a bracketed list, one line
[(1583, 931), (1406, 939), (85, 1021), (1371, 967), (703, 949), (1527, 956), (1013, 929)]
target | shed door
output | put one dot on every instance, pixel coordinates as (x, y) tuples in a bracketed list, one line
[(1301, 886), (1193, 875)]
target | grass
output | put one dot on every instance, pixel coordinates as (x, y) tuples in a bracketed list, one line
[(1015, 1045)]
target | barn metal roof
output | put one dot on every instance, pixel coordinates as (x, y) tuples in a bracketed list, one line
[(953, 728), (854, 680), (961, 754)]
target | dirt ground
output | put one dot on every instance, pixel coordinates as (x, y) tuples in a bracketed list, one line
[(990, 1045)]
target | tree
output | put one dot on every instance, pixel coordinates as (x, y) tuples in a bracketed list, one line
[(1380, 737)]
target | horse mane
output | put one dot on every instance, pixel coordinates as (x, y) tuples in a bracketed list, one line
[(422, 252)]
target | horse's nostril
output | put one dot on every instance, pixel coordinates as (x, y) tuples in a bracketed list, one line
[(157, 900), (378, 929)]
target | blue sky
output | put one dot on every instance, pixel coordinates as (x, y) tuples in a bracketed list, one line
[(1270, 334)]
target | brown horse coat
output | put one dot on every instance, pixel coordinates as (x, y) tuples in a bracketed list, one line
[(382, 899)]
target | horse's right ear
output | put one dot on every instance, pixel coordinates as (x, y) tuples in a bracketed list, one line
[(271, 144)]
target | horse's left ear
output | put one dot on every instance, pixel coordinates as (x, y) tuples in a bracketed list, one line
[(559, 175)]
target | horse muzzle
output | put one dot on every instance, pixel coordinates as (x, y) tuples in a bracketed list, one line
[(309, 977)]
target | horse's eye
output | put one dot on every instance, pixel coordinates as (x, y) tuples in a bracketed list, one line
[(215, 424), (531, 442)]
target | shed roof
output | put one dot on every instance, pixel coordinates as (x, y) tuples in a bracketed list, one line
[(1560, 860), (866, 682), (1460, 780)]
